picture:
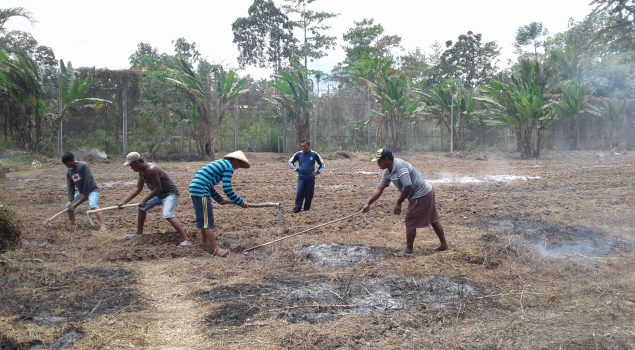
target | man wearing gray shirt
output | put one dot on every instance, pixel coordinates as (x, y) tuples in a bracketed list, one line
[(422, 211), (79, 176)]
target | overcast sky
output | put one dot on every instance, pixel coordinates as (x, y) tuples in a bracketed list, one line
[(106, 33)]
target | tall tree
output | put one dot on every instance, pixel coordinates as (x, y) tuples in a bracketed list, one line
[(619, 29), (17, 39), (469, 60), (530, 34), (185, 51), (144, 56), (265, 37), (314, 42), (367, 39)]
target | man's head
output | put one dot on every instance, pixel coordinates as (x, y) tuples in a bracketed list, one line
[(305, 146), (384, 158), (134, 160), (238, 159), (69, 160)]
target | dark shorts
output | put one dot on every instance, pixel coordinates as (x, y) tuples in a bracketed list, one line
[(204, 213), (422, 211)]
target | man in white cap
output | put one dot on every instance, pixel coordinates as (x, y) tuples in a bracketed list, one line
[(163, 192), (202, 190)]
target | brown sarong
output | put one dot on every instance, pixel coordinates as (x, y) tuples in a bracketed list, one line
[(422, 211)]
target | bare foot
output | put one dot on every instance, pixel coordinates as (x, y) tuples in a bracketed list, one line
[(221, 252), (404, 253), (103, 228), (442, 247)]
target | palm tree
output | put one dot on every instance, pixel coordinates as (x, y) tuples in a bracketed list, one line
[(21, 98), (8, 13), (612, 110), (571, 103), (198, 86), (518, 100), (398, 101)]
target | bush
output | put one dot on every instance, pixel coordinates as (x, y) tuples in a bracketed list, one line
[(10, 233)]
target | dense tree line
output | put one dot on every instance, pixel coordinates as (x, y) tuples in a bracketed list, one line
[(564, 86)]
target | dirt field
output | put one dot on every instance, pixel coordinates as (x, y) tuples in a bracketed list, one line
[(542, 256)]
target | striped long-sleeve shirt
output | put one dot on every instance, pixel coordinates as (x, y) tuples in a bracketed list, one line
[(203, 183)]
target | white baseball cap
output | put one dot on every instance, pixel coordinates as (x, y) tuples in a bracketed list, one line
[(131, 158)]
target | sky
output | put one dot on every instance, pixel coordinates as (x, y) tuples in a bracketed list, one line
[(103, 34)]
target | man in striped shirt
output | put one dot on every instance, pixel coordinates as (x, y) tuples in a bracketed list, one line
[(306, 159), (202, 190)]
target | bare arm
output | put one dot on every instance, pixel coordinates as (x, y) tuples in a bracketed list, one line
[(405, 192), (133, 194), (373, 197)]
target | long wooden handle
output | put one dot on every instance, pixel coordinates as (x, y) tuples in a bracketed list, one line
[(263, 205), (301, 232), (56, 215), (111, 208)]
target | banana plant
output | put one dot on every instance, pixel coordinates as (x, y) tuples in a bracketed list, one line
[(293, 93), (228, 90), (199, 103)]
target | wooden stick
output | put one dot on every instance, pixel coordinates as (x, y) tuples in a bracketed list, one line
[(111, 208), (301, 232), (54, 216), (90, 218), (263, 205)]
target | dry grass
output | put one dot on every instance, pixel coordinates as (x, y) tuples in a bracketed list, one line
[(150, 294)]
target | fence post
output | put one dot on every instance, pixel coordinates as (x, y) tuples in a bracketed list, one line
[(124, 107)]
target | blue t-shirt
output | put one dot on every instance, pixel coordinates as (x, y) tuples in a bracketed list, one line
[(306, 163)]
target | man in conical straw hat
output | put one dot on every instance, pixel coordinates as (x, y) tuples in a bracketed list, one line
[(202, 191)]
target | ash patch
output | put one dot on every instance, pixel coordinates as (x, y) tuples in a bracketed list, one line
[(558, 240), (335, 255), (65, 341), (316, 300), (50, 299), (232, 314)]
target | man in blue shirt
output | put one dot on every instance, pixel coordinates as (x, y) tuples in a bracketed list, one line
[(202, 191), (306, 159)]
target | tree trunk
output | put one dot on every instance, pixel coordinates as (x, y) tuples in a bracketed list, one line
[(302, 125)]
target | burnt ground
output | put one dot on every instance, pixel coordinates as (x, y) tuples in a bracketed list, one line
[(541, 258)]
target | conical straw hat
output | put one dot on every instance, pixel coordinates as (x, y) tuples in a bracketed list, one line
[(239, 155)]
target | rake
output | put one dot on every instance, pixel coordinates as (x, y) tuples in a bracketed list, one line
[(301, 232)]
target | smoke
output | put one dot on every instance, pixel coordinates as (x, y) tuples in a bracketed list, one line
[(482, 179), (95, 153)]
